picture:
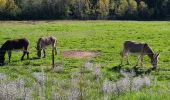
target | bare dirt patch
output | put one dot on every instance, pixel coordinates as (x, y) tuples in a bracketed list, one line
[(79, 54)]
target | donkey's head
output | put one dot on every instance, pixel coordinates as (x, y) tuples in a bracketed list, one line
[(2, 56), (154, 60)]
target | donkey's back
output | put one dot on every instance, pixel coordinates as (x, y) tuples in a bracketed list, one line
[(15, 44), (46, 40), (134, 47)]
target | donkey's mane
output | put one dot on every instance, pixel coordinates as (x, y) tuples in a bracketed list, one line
[(149, 51), (4, 46)]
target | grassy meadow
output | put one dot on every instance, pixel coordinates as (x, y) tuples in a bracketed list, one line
[(106, 39)]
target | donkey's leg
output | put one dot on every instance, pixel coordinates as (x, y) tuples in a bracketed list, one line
[(24, 52), (55, 49), (9, 55), (141, 60), (28, 54), (127, 59), (124, 53), (44, 53), (122, 56), (139, 57)]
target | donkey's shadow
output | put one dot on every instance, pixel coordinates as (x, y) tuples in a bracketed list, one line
[(116, 68), (138, 71), (34, 58)]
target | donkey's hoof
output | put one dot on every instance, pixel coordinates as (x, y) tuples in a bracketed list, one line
[(153, 68), (2, 64)]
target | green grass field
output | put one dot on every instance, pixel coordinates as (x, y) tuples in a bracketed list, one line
[(105, 38)]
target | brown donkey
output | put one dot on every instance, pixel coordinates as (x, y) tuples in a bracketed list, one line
[(140, 49), (16, 44)]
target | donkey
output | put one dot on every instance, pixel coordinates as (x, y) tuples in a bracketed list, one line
[(140, 49), (45, 41), (11, 45)]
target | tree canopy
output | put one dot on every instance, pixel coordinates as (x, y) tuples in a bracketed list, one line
[(85, 9)]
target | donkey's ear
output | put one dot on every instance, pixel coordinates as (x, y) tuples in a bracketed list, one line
[(145, 45), (157, 55)]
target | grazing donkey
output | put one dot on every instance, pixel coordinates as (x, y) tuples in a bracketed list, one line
[(10, 45), (140, 49), (45, 41)]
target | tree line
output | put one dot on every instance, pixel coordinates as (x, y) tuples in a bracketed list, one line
[(85, 9)]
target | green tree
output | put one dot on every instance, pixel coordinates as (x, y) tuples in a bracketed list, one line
[(2, 8), (63, 8), (132, 9), (121, 8), (112, 6), (144, 11), (81, 9), (166, 8), (8, 9), (86, 9), (2, 5), (102, 9)]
